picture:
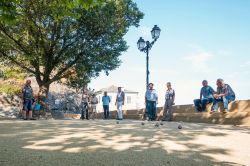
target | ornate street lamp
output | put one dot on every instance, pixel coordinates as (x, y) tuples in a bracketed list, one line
[(146, 46)]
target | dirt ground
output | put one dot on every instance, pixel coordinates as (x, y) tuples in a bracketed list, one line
[(106, 143)]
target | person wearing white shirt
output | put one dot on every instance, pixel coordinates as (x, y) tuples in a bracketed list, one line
[(120, 102)]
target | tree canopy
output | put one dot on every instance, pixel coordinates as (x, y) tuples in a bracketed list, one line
[(72, 39)]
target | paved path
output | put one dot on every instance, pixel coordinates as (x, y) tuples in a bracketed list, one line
[(105, 143)]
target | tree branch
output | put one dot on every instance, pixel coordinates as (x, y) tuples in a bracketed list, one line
[(16, 62)]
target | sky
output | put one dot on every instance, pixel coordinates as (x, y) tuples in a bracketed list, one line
[(200, 39)]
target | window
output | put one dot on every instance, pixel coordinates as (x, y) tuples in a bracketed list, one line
[(128, 99)]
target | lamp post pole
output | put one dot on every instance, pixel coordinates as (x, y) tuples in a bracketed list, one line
[(146, 46), (147, 69)]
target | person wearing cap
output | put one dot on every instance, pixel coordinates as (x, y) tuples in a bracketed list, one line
[(151, 100), (206, 96), (120, 102), (169, 102), (224, 94)]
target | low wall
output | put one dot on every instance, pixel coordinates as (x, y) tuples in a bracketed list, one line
[(239, 114)]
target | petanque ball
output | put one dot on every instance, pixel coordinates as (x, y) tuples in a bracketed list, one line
[(179, 126), (161, 123), (157, 125), (117, 122), (142, 123)]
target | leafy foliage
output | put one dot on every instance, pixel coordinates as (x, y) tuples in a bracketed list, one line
[(75, 40)]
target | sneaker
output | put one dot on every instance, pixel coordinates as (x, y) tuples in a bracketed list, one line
[(225, 111)]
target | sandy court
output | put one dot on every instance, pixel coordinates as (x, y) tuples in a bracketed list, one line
[(105, 143)]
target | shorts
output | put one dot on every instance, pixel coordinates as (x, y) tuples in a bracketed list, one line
[(27, 105), (93, 106)]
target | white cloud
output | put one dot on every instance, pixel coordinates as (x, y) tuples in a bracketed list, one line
[(199, 61)]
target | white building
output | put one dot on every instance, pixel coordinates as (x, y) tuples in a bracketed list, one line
[(131, 98)]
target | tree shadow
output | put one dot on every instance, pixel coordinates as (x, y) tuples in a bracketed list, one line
[(108, 143)]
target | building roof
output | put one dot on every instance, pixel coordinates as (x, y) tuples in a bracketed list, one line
[(113, 89)]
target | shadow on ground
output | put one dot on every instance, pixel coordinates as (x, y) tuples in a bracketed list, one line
[(106, 143)]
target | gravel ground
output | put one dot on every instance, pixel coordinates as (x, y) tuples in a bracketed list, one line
[(106, 143)]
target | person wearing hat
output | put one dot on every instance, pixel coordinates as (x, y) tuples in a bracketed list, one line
[(151, 100), (206, 96), (120, 102)]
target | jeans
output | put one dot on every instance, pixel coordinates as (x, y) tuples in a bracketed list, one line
[(119, 110), (200, 104), (85, 111), (106, 111), (151, 109), (225, 100)]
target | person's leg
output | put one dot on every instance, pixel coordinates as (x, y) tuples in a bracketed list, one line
[(171, 110), (119, 111), (153, 110), (164, 116), (149, 109), (87, 112), (25, 109), (107, 111), (215, 104), (30, 109), (168, 114), (204, 103), (104, 112), (197, 105)]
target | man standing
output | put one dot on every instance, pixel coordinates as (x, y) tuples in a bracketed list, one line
[(94, 102), (27, 97), (224, 94), (206, 96), (151, 100), (169, 102), (106, 100), (120, 102), (85, 100)]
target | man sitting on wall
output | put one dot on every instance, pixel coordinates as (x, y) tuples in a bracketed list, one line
[(224, 94), (206, 96)]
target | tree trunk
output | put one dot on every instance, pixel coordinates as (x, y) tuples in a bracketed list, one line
[(43, 95)]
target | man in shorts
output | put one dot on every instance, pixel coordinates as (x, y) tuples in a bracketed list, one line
[(27, 97)]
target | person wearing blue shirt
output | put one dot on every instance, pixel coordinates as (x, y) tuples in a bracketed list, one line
[(106, 100), (206, 96)]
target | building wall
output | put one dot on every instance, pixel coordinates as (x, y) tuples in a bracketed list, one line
[(131, 100)]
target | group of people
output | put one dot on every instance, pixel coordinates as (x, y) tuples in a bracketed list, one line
[(223, 94), (151, 101)]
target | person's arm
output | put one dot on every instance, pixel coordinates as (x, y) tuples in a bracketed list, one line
[(201, 94), (123, 99), (173, 97), (156, 98), (109, 100)]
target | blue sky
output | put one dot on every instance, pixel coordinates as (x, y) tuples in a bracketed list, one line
[(200, 39)]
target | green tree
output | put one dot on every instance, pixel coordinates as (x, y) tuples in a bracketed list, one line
[(52, 40)]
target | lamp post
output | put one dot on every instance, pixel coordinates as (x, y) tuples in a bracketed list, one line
[(146, 46)]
